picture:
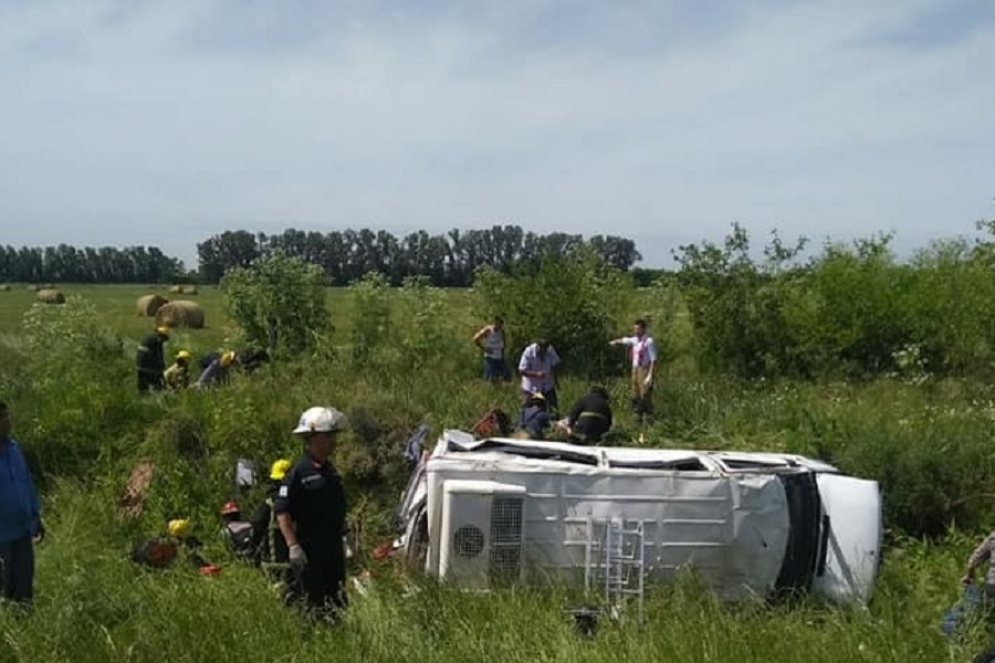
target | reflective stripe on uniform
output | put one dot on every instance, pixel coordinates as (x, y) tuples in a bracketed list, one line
[(591, 414)]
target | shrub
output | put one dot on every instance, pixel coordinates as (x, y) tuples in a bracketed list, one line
[(575, 301), (278, 302)]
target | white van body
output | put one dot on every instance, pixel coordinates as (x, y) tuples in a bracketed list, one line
[(749, 524)]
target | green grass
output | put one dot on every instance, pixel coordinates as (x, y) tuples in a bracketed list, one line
[(927, 441)]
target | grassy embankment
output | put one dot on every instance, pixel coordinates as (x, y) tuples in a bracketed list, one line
[(75, 411)]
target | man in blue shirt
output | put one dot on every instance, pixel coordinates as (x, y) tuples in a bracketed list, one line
[(20, 522)]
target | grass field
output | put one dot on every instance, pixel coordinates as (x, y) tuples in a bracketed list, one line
[(74, 409)]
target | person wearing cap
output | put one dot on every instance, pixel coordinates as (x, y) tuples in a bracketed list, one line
[(20, 521), (268, 544), (590, 417), (534, 419), (177, 376), (643, 356), (150, 360), (310, 508), (537, 367), (217, 371)]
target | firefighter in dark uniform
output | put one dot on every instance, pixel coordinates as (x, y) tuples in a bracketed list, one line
[(591, 416), (150, 360), (267, 541), (310, 508)]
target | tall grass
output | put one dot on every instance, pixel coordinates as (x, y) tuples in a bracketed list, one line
[(402, 357)]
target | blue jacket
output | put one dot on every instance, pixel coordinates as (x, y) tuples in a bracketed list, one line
[(534, 420), (19, 513)]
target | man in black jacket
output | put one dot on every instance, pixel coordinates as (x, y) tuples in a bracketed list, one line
[(590, 417), (150, 360)]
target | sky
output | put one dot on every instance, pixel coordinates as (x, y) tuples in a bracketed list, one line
[(162, 123)]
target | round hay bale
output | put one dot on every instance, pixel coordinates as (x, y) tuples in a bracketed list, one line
[(34, 288), (5, 288), (50, 296), (181, 313), (176, 290), (149, 304), (189, 290)]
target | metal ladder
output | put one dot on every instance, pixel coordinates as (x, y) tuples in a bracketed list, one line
[(615, 563)]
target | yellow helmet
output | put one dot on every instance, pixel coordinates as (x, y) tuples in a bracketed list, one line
[(279, 469), (183, 354), (227, 358), (179, 528), (162, 331)]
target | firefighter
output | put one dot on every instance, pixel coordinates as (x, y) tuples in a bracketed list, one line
[(268, 544), (217, 370), (150, 362), (177, 376), (590, 417), (310, 509)]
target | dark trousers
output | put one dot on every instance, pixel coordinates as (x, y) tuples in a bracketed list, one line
[(18, 573), (148, 381), (320, 587)]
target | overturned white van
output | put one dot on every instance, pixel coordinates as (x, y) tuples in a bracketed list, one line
[(481, 511)]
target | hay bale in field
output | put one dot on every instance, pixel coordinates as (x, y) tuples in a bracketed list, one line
[(176, 290), (5, 288), (180, 313), (189, 290), (50, 296), (149, 304), (34, 288)]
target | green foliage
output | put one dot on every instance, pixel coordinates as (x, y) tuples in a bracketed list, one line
[(279, 302), (576, 302), (371, 318), (852, 310)]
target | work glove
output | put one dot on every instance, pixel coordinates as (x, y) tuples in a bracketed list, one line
[(648, 381), (297, 557)]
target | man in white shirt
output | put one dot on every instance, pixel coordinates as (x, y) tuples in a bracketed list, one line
[(536, 367), (643, 356), (491, 340)]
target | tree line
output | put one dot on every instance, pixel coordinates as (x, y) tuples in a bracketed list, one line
[(447, 260), (106, 264)]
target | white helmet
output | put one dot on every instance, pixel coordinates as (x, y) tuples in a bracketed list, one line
[(320, 420)]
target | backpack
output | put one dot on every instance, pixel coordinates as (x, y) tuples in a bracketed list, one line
[(157, 552), (238, 534), (494, 423)]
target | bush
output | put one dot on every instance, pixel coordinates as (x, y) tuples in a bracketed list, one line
[(279, 302), (575, 301)]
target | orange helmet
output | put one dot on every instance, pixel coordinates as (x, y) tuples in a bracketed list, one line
[(230, 507)]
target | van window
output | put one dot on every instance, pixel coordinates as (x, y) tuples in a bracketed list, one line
[(681, 465), (541, 453)]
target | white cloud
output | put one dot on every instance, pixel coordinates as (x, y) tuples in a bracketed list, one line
[(170, 121)]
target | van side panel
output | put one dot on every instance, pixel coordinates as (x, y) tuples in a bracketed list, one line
[(732, 531)]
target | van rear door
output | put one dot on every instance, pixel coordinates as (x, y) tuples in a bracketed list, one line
[(851, 538)]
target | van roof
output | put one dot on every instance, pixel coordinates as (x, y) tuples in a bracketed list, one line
[(461, 442)]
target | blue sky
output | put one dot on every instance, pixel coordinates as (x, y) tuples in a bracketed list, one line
[(140, 122)]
